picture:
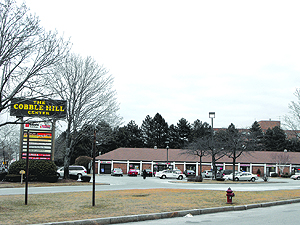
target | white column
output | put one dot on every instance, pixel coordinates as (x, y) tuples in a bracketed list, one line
[(127, 166), (141, 166), (197, 170), (265, 169), (112, 164), (251, 168)]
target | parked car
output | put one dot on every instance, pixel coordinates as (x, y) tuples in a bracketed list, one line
[(73, 170), (230, 176), (189, 173), (133, 172), (221, 175), (207, 174), (116, 172), (296, 176), (148, 173), (246, 176), (175, 174)]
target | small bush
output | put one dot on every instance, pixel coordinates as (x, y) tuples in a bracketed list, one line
[(195, 179), (2, 175), (38, 169), (73, 177), (85, 178), (83, 161), (13, 178), (286, 175), (274, 175)]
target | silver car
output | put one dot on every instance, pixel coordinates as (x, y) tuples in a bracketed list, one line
[(117, 172)]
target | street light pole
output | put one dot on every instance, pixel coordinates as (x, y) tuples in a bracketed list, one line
[(167, 142), (212, 116)]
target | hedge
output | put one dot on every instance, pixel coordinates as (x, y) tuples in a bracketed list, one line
[(40, 170)]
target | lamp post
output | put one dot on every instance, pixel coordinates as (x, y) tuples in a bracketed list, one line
[(167, 142), (212, 116)]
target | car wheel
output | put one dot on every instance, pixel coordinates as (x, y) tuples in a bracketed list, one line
[(163, 177), (79, 176), (236, 179), (253, 179), (298, 178), (180, 178)]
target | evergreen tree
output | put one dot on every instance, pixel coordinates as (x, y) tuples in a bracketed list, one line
[(155, 131), (275, 139), (173, 137), (130, 136), (184, 132), (199, 130)]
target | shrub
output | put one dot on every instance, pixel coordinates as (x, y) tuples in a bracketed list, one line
[(2, 175), (73, 177), (83, 161), (85, 178), (195, 179), (13, 177), (38, 169), (274, 175)]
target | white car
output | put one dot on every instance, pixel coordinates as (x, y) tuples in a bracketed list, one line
[(296, 176), (73, 170), (246, 176), (176, 174), (230, 176), (117, 172), (207, 174)]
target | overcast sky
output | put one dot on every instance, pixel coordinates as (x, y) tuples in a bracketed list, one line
[(183, 59)]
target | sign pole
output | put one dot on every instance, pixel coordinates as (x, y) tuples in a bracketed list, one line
[(27, 169), (94, 155)]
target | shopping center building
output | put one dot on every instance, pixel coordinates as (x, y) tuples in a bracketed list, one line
[(263, 162)]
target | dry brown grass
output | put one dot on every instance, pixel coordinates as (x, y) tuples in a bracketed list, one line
[(43, 208)]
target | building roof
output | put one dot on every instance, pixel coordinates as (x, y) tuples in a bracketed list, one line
[(266, 124), (179, 155)]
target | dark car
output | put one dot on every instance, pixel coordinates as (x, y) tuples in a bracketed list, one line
[(148, 173), (189, 173)]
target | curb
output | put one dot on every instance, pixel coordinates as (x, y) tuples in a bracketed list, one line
[(164, 215)]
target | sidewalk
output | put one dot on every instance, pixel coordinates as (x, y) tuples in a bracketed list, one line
[(164, 215)]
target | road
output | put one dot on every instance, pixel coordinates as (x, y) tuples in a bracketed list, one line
[(275, 215), (125, 182)]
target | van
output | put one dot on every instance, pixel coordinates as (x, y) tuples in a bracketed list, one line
[(73, 170)]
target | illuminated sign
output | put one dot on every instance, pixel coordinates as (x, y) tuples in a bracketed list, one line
[(38, 108)]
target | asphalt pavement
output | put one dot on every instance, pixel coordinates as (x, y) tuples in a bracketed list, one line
[(242, 215), (110, 183)]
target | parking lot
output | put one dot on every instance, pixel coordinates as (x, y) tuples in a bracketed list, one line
[(107, 182)]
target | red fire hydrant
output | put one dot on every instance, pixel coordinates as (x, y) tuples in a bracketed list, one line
[(229, 195)]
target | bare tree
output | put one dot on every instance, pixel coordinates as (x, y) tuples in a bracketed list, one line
[(292, 121), (9, 143), (199, 148), (26, 54), (87, 88), (234, 143), (282, 159)]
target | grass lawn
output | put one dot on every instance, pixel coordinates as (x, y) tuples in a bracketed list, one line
[(53, 207)]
